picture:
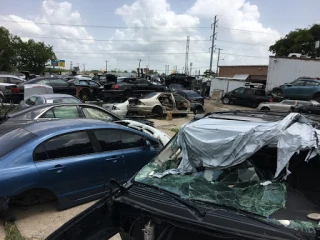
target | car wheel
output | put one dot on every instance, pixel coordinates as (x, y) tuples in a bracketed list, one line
[(158, 111), (198, 110), (316, 97), (1, 98), (255, 104), (84, 95), (265, 109), (128, 93), (226, 100)]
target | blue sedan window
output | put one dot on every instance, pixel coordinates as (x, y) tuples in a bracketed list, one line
[(67, 145), (14, 139)]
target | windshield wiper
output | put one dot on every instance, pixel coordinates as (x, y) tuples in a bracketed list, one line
[(176, 197)]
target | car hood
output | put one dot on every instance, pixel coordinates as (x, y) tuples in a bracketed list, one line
[(209, 160)]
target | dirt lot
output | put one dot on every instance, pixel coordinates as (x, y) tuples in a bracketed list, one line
[(37, 222)]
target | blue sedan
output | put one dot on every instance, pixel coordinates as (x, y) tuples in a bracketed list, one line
[(71, 160)]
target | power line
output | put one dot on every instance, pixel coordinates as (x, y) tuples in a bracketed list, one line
[(160, 53), (98, 26), (115, 40), (244, 30), (134, 40)]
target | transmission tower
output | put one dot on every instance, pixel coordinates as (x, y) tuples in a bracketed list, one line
[(187, 56)]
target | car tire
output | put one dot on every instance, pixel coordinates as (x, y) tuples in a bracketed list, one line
[(316, 97), (84, 95), (255, 104), (226, 100), (265, 109), (128, 93), (2, 98), (198, 110), (158, 111)]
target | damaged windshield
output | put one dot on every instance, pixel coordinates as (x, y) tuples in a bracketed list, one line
[(264, 168)]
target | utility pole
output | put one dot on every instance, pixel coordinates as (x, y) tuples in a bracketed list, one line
[(217, 74), (71, 65), (106, 66), (139, 67), (191, 68), (84, 68), (187, 56), (213, 38)]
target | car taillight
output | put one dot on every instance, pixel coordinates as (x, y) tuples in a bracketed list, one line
[(270, 100), (115, 86), (15, 90)]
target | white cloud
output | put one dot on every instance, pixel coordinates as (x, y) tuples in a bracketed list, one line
[(148, 21), (238, 14), (54, 12)]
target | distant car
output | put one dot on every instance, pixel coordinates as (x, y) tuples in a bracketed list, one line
[(59, 111), (283, 106), (128, 87), (161, 103), (182, 79), (313, 108), (246, 96), (70, 160), (88, 89), (70, 77), (119, 109), (175, 87), (302, 88), (7, 80), (191, 95), (47, 99), (15, 93)]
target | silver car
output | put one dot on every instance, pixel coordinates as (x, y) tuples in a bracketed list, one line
[(159, 103), (48, 99), (283, 106)]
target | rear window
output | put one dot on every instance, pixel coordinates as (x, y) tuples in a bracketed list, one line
[(192, 94), (63, 100), (14, 139), (149, 95)]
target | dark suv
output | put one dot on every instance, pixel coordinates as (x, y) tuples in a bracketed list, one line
[(246, 96), (182, 79)]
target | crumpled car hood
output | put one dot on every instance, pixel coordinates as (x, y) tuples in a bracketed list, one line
[(219, 144)]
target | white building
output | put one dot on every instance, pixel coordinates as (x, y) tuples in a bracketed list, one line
[(287, 69)]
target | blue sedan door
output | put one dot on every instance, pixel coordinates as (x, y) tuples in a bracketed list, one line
[(70, 165), (135, 151), (111, 155)]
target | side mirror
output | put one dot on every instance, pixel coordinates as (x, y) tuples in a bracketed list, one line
[(147, 145)]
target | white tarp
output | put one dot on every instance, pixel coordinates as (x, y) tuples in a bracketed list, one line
[(218, 143)]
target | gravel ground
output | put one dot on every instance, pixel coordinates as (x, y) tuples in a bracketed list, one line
[(37, 222), (2, 235)]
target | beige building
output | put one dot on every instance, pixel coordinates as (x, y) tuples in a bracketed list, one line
[(252, 73)]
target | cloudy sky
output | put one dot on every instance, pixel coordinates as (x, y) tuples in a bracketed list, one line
[(155, 31)]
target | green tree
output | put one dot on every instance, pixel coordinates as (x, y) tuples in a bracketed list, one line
[(298, 41), (133, 71), (7, 53), (32, 56), (28, 56), (125, 71)]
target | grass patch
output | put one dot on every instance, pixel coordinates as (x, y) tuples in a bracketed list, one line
[(174, 129), (12, 232)]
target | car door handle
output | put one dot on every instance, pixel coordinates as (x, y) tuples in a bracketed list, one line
[(56, 168), (113, 159)]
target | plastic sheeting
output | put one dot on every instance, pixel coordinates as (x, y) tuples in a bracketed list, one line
[(249, 196), (219, 143)]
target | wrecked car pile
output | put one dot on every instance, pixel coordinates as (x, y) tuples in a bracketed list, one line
[(218, 177)]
